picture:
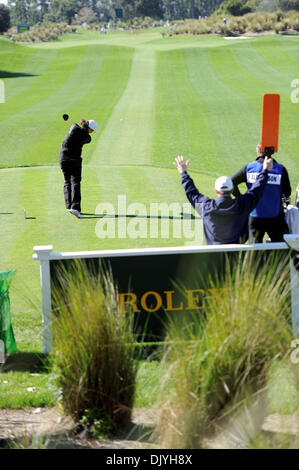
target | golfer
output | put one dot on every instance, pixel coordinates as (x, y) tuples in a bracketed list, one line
[(71, 163), (225, 220)]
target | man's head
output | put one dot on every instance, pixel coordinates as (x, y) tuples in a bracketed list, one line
[(223, 185), (90, 126)]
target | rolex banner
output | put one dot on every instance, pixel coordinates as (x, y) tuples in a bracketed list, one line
[(160, 285)]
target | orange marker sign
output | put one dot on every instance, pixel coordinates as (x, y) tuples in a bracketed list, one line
[(270, 123)]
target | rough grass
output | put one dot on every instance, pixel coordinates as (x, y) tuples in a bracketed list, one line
[(27, 390)]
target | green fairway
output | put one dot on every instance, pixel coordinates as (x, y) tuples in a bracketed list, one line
[(154, 98)]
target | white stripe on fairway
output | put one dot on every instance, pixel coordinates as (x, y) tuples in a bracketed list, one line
[(128, 135)]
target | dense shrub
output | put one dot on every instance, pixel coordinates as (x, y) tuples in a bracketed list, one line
[(251, 22), (42, 32)]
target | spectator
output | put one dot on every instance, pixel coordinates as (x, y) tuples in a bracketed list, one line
[(225, 220), (268, 216)]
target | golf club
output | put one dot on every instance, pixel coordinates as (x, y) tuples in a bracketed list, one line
[(65, 117)]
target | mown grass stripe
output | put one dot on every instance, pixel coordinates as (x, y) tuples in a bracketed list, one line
[(60, 67), (183, 125), (127, 136), (257, 64), (39, 127), (11, 213), (276, 58), (24, 68)]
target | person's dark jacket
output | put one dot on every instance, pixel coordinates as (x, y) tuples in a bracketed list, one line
[(241, 177), (71, 148), (225, 220)]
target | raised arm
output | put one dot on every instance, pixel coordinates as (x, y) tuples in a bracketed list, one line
[(192, 193)]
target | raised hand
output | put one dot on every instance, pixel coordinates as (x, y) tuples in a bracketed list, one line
[(181, 164)]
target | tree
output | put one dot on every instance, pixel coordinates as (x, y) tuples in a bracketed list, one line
[(207, 7), (234, 7), (63, 10), (103, 9), (18, 11), (268, 5), (129, 8), (152, 8), (33, 11), (44, 7), (85, 15), (4, 18), (289, 5)]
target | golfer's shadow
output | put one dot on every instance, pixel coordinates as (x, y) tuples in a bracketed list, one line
[(8, 74), (131, 216)]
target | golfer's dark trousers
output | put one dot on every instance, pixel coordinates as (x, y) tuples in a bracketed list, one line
[(72, 170)]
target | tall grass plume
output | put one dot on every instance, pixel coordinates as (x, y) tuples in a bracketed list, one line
[(93, 350)]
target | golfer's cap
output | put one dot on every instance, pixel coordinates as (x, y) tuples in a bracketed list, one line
[(92, 125), (223, 184)]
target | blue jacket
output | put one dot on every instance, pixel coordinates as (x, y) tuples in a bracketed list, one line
[(225, 220), (270, 204)]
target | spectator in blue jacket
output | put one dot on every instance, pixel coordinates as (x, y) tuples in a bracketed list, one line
[(268, 216), (225, 220)]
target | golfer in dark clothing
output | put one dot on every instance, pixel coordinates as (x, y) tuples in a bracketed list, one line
[(71, 163), (225, 220), (268, 216)]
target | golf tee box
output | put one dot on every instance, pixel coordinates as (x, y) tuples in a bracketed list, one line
[(270, 124)]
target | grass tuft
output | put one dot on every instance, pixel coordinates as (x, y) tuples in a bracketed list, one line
[(93, 351)]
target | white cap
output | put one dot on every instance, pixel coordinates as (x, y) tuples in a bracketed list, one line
[(223, 184), (92, 125)]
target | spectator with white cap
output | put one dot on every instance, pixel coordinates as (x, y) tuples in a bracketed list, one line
[(71, 163), (225, 220)]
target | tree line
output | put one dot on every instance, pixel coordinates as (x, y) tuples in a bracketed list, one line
[(34, 11), (94, 11)]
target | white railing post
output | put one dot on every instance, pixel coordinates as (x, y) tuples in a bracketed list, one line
[(42, 253)]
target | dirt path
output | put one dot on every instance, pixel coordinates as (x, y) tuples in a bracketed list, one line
[(48, 427)]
